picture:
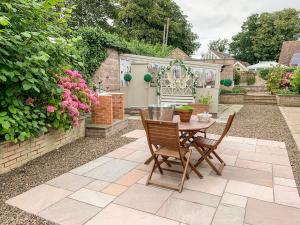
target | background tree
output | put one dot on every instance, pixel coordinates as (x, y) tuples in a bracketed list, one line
[(145, 19), (96, 13), (219, 45), (262, 35)]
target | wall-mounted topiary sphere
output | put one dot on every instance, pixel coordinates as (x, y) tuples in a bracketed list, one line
[(127, 77), (147, 77), (227, 82)]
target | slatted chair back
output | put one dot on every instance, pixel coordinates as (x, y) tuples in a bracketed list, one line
[(226, 129), (144, 113), (163, 134)]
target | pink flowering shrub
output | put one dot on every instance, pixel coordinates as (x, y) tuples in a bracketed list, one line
[(286, 80), (76, 97)]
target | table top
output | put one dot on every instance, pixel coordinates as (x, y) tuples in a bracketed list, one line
[(194, 124)]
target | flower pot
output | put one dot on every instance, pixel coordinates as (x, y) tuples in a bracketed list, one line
[(185, 115)]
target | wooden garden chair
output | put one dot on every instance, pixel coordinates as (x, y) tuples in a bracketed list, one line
[(163, 139), (207, 148), (144, 113)]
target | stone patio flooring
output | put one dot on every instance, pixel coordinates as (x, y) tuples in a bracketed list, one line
[(257, 188)]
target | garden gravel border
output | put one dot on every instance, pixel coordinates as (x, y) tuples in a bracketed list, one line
[(254, 121)]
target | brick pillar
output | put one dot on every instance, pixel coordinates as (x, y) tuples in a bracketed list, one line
[(103, 113), (118, 106)]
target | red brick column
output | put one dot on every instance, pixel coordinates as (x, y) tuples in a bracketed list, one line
[(118, 106), (103, 113)]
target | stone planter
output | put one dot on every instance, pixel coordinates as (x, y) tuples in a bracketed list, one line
[(199, 108), (231, 98), (185, 115), (288, 100)]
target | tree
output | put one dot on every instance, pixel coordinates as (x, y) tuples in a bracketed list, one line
[(262, 35), (96, 13), (219, 45), (145, 19)]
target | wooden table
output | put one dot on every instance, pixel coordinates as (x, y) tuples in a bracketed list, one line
[(192, 127)]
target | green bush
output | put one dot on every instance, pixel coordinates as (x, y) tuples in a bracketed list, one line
[(274, 79), (296, 80), (236, 77), (227, 82), (32, 52), (235, 90), (222, 82), (205, 100), (250, 80), (264, 73), (95, 41), (147, 77), (127, 77), (286, 92)]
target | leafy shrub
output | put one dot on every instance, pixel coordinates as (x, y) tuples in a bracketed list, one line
[(32, 55), (222, 82), (227, 82), (286, 92), (205, 100), (236, 77), (296, 80), (250, 80), (264, 73), (235, 90), (274, 79), (95, 41), (286, 80)]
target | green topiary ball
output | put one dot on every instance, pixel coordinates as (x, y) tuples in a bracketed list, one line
[(227, 82), (147, 77), (222, 82), (127, 77)]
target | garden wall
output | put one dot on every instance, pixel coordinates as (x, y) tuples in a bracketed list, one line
[(14, 155), (288, 100), (231, 99)]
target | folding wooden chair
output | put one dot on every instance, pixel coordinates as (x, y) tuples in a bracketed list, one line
[(163, 138), (207, 147)]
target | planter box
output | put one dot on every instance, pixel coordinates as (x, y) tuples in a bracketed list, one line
[(288, 100), (15, 155), (231, 99)]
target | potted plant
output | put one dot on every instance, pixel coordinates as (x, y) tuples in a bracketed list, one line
[(185, 112), (204, 102)]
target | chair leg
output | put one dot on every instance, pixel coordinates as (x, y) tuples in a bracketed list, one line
[(184, 172), (148, 161), (158, 164)]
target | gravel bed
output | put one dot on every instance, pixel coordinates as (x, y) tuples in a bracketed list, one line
[(254, 121), (50, 166)]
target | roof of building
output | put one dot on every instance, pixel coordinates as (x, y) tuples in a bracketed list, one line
[(222, 55), (177, 53), (295, 61), (288, 49)]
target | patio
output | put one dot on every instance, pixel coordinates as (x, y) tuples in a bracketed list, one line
[(257, 187)]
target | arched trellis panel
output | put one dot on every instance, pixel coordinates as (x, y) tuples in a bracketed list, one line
[(176, 79)]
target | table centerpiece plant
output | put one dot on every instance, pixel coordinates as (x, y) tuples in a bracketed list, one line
[(185, 112)]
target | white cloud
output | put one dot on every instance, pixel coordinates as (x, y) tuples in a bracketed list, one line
[(213, 19)]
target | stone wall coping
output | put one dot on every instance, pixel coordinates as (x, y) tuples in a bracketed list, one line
[(103, 126), (293, 95)]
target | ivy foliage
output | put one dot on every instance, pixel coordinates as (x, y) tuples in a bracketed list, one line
[(95, 41), (32, 51)]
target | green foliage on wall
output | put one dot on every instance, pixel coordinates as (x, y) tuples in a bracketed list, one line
[(274, 79), (95, 41)]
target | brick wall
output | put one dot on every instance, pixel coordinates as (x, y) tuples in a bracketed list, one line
[(288, 100), (14, 155), (103, 113), (108, 73), (118, 106)]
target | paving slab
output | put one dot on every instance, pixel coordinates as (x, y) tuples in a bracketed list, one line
[(38, 198), (187, 212), (266, 213), (120, 153), (69, 181), (248, 164), (265, 157), (229, 214), (131, 177), (250, 190), (97, 185), (232, 199), (144, 198), (114, 189), (111, 170), (135, 134), (120, 215), (287, 196), (90, 165), (69, 212), (283, 171), (92, 197)]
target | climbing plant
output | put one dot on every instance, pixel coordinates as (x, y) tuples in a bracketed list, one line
[(180, 63)]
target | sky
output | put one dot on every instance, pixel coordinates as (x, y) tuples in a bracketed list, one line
[(213, 19)]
